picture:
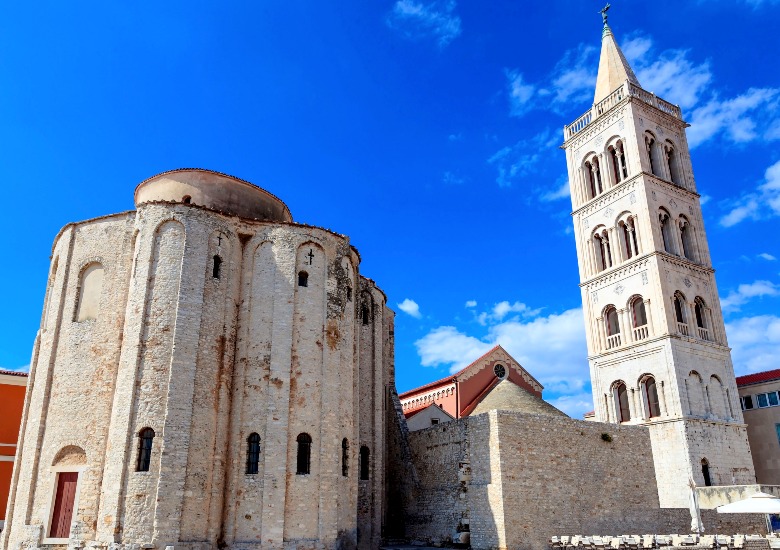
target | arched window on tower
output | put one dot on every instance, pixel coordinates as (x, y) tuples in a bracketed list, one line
[(628, 236), (672, 163), (303, 462), (686, 236), (612, 326), (666, 231), (617, 155), (705, 472), (595, 185), (344, 457), (650, 396), (620, 393), (603, 251), (145, 439), (365, 464), (639, 317), (652, 154), (700, 310), (252, 453), (679, 313)]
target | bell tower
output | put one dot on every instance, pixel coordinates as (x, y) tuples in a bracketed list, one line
[(656, 340)]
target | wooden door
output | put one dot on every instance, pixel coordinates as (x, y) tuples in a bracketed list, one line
[(62, 514)]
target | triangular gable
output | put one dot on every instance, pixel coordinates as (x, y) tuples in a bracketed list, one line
[(490, 359)]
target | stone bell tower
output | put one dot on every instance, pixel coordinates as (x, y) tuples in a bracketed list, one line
[(656, 340)]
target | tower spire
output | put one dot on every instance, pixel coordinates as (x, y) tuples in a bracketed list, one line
[(614, 70)]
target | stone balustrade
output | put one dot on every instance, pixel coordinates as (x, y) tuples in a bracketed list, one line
[(627, 89)]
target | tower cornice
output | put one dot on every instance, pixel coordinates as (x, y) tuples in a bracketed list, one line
[(621, 271)]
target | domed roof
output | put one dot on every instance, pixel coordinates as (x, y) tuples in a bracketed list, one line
[(508, 396), (215, 191)]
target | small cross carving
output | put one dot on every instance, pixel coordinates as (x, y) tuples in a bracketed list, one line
[(310, 255), (219, 240)]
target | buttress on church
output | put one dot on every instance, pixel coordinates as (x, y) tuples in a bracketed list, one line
[(209, 373)]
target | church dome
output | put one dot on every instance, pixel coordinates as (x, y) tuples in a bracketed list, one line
[(215, 191)]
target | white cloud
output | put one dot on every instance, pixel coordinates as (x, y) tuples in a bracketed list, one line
[(766, 256), (762, 203), (746, 292), (574, 405), (561, 190), (521, 95), (675, 78), (747, 117), (755, 343), (704, 199), (502, 309), (471, 303), (420, 19), (410, 307), (450, 178), (521, 159), (552, 348)]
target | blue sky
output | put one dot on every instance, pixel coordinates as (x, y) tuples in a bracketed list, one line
[(428, 131)]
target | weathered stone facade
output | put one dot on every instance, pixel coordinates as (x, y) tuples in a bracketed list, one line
[(217, 317), (515, 479)]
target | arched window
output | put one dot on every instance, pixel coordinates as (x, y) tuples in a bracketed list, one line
[(705, 472), (252, 453), (344, 457), (215, 271), (686, 236), (639, 318), (679, 313), (303, 278), (652, 154), (650, 391), (617, 155), (145, 438), (304, 454), (364, 462), (672, 163), (590, 180), (365, 314), (593, 176), (603, 251), (666, 231), (700, 310), (89, 291), (621, 402), (186, 199), (612, 326)]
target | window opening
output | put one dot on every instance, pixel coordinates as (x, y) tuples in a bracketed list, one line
[(365, 314), (303, 278), (666, 236), (685, 237), (777, 429), (640, 315), (499, 371), (699, 310), (145, 439), (364, 465), (434, 421), (678, 311), (613, 325), (705, 471), (762, 400), (621, 393), (252, 453), (747, 402), (651, 394), (215, 271), (304, 454), (186, 199), (344, 457)]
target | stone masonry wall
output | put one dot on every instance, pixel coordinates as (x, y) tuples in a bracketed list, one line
[(530, 477)]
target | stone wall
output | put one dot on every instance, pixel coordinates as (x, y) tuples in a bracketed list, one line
[(516, 479)]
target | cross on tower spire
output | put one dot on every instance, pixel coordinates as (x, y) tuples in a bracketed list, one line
[(603, 11)]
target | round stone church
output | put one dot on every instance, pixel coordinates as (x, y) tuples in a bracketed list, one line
[(208, 373)]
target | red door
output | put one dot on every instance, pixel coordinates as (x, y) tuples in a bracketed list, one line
[(63, 505)]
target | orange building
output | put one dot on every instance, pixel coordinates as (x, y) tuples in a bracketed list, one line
[(12, 388)]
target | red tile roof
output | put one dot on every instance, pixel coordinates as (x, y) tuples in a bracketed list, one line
[(448, 379), (758, 377), (14, 373)]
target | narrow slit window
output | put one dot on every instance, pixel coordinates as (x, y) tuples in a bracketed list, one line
[(252, 454), (365, 314), (705, 472), (303, 278), (145, 439), (304, 455), (344, 457), (365, 456), (217, 267)]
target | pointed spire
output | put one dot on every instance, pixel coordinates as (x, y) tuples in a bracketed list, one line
[(614, 70)]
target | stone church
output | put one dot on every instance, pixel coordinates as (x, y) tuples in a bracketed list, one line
[(209, 373)]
